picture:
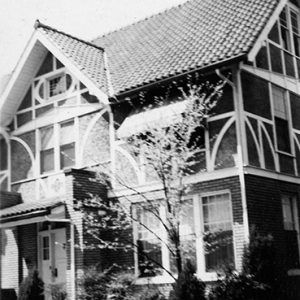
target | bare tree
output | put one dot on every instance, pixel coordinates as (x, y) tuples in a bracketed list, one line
[(171, 150)]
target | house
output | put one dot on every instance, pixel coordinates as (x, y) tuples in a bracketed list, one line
[(58, 118)]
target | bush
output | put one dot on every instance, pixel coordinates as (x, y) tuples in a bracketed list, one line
[(120, 287), (261, 276), (188, 286), (32, 287), (237, 286), (93, 284), (58, 291), (97, 284), (151, 294)]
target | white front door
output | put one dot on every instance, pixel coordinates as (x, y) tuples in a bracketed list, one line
[(53, 258)]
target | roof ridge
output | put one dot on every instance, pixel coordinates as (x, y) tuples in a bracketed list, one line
[(142, 20), (38, 24)]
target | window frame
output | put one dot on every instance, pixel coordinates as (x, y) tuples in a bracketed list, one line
[(197, 203), (57, 145), (47, 86)]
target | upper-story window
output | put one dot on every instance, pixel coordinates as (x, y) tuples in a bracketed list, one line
[(281, 117), (56, 85), (56, 156), (281, 52)]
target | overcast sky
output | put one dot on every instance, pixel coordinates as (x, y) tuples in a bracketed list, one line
[(83, 18)]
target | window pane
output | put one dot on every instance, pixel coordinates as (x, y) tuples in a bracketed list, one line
[(3, 154), (47, 138), (282, 133), (287, 210), (276, 63), (217, 231), (274, 34), (67, 155), (47, 160), (67, 135), (279, 100), (45, 248), (262, 58), (289, 64), (57, 85), (149, 246)]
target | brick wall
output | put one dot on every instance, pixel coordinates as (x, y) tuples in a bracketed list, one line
[(265, 213), (28, 254)]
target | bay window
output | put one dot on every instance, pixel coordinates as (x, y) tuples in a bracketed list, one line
[(206, 236)]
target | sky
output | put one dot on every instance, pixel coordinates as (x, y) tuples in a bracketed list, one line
[(85, 19)]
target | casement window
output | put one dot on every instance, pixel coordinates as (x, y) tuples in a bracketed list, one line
[(206, 236), (57, 147), (290, 212), (281, 116)]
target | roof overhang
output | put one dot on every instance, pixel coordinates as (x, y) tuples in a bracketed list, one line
[(29, 213), (27, 66)]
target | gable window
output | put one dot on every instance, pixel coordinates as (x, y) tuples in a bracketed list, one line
[(281, 119), (56, 85), (206, 236)]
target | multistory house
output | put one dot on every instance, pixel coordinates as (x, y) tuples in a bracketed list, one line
[(64, 115)]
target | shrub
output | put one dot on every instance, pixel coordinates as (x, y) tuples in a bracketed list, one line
[(120, 287), (188, 286), (97, 284), (93, 284), (151, 294), (58, 291), (32, 287), (237, 286)]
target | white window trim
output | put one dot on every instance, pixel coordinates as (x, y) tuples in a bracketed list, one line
[(200, 255)]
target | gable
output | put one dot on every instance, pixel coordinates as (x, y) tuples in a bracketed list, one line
[(69, 52)]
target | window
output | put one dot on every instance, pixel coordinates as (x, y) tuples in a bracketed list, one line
[(57, 155), (205, 222), (148, 243), (281, 119), (289, 211), (57, 85), (47, 149), (46, 248)]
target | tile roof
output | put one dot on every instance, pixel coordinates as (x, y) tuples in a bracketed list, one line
[(190, 36), (87, 57), (24, 208)]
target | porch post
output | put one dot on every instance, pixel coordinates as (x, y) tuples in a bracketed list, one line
[(72, 263)]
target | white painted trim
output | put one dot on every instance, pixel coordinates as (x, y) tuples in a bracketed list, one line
[(221, 116), (72, 262), (264, 34), (257, 117), (132, 162), (22, 222), (258, 148), (27, 148), (192, 179), (87, 132), (220, 138), (271, 174)]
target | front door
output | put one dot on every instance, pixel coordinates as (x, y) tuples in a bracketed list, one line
[(53, 260)]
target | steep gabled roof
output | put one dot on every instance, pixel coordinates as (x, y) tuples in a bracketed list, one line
[(193, 35), (88, 57)]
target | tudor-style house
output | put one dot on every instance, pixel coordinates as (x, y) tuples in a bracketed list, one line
[(64, 114)]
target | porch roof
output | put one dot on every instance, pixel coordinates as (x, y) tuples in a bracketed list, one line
[(25, 210)]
